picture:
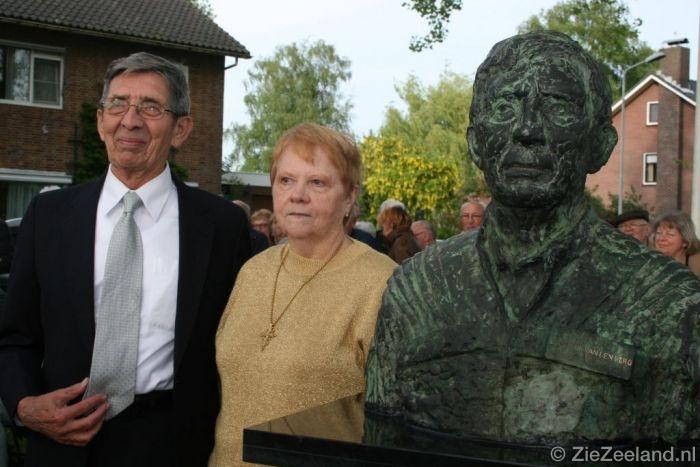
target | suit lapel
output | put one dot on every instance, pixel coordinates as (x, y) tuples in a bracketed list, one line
[(196, 236), (78, 233)]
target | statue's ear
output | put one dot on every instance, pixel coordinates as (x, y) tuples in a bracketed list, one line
[(473, 145), (603, 144)]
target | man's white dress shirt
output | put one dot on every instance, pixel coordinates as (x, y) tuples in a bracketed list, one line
[(158, 222)]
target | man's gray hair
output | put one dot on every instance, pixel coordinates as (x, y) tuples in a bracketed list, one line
[(390, 203), (474, 202), (428, 226), (243, 205), (143, 62)]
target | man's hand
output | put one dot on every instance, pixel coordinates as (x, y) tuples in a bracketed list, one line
[(50, 414)]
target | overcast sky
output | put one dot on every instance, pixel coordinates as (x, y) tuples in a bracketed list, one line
[(374, 35)]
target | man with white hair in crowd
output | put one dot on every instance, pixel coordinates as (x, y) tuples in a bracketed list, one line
[(471, 215), (258, 240), (424, 233)]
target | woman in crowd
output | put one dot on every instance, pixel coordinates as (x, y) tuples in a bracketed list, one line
[(674, 236), (261, 220), (398, 237), (298, 325), (279, 236)]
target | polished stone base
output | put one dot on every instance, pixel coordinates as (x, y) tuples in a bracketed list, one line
[(337, 434)]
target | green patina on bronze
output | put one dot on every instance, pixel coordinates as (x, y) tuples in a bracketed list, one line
[(547, 325)]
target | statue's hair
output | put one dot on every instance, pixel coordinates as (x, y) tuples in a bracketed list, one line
[(506, 54)]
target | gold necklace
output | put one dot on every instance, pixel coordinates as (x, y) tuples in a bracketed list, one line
[(268, 335)]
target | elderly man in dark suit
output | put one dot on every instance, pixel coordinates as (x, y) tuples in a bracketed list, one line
[(117, 286)]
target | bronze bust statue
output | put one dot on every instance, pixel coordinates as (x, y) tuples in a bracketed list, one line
[(546, 325)]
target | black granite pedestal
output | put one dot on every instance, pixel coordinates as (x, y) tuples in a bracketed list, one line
[(337, 434)]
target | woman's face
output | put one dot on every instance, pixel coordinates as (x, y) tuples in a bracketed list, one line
[(669, 241), (310, 199), (387, 227)]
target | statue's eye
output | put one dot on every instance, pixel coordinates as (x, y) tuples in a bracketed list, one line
[(503, 110), (560, 111)]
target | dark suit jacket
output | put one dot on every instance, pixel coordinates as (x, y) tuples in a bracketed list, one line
[(48, 329)]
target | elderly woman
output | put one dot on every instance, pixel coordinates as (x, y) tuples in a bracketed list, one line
[(398, 237), (261, 220), (298, 325), (674, 236)]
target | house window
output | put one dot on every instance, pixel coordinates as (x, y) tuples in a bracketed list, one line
[(649, 169), (652, 113), (30, 77)]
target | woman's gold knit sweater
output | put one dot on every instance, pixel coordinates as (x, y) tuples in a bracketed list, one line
[(321, 343)]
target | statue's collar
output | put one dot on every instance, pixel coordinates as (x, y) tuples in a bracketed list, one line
[(514, 240)]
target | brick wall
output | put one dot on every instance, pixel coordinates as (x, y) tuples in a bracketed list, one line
[(640, 138), (38, 138), (672, 140)]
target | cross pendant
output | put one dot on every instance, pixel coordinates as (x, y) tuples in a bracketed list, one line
[(267, 336)]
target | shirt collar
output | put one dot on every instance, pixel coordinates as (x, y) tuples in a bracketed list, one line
[(154, 193)]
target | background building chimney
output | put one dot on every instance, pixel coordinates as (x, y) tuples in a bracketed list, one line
[(676, 64)]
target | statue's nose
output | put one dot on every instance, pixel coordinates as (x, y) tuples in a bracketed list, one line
[(528, 127)]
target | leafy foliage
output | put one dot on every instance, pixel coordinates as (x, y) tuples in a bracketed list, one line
[(432, 128), (92, 162), (205, 7), (299, 83), (604, 28), (438, 13), (395, 170), (631, 201)]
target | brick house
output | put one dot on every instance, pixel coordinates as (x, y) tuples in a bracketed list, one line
[(254, 188), (659, 134), (53, 56)]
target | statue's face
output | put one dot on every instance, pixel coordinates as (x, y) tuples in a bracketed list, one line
[(532, 133)]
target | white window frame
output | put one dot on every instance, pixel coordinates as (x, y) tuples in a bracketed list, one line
[(644, 168), (32, 55), (649, 104)]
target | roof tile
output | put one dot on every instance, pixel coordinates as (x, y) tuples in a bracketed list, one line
[(176, 22)]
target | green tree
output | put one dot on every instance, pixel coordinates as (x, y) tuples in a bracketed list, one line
[(438, 13), (395, 170), (205, 7), (603, 27), (299, 83), (632, 200), (92, 161), (432, 128)]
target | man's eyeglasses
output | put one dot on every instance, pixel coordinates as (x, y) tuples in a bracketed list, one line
[(147, 109)]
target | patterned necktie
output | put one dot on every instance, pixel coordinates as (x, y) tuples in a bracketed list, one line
[(114, 355)]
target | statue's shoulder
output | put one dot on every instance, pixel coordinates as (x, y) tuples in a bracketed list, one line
[(433, 280), (447, 256)]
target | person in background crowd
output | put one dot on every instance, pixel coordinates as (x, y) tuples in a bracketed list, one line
[(261, 220), (674, 236), (358, 234), (299, 322), (634, 223), (279, 234), (117, 287), (258, 241), (368, 227), (398, 238), (424, 233), (471, 215), (387, 203)]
